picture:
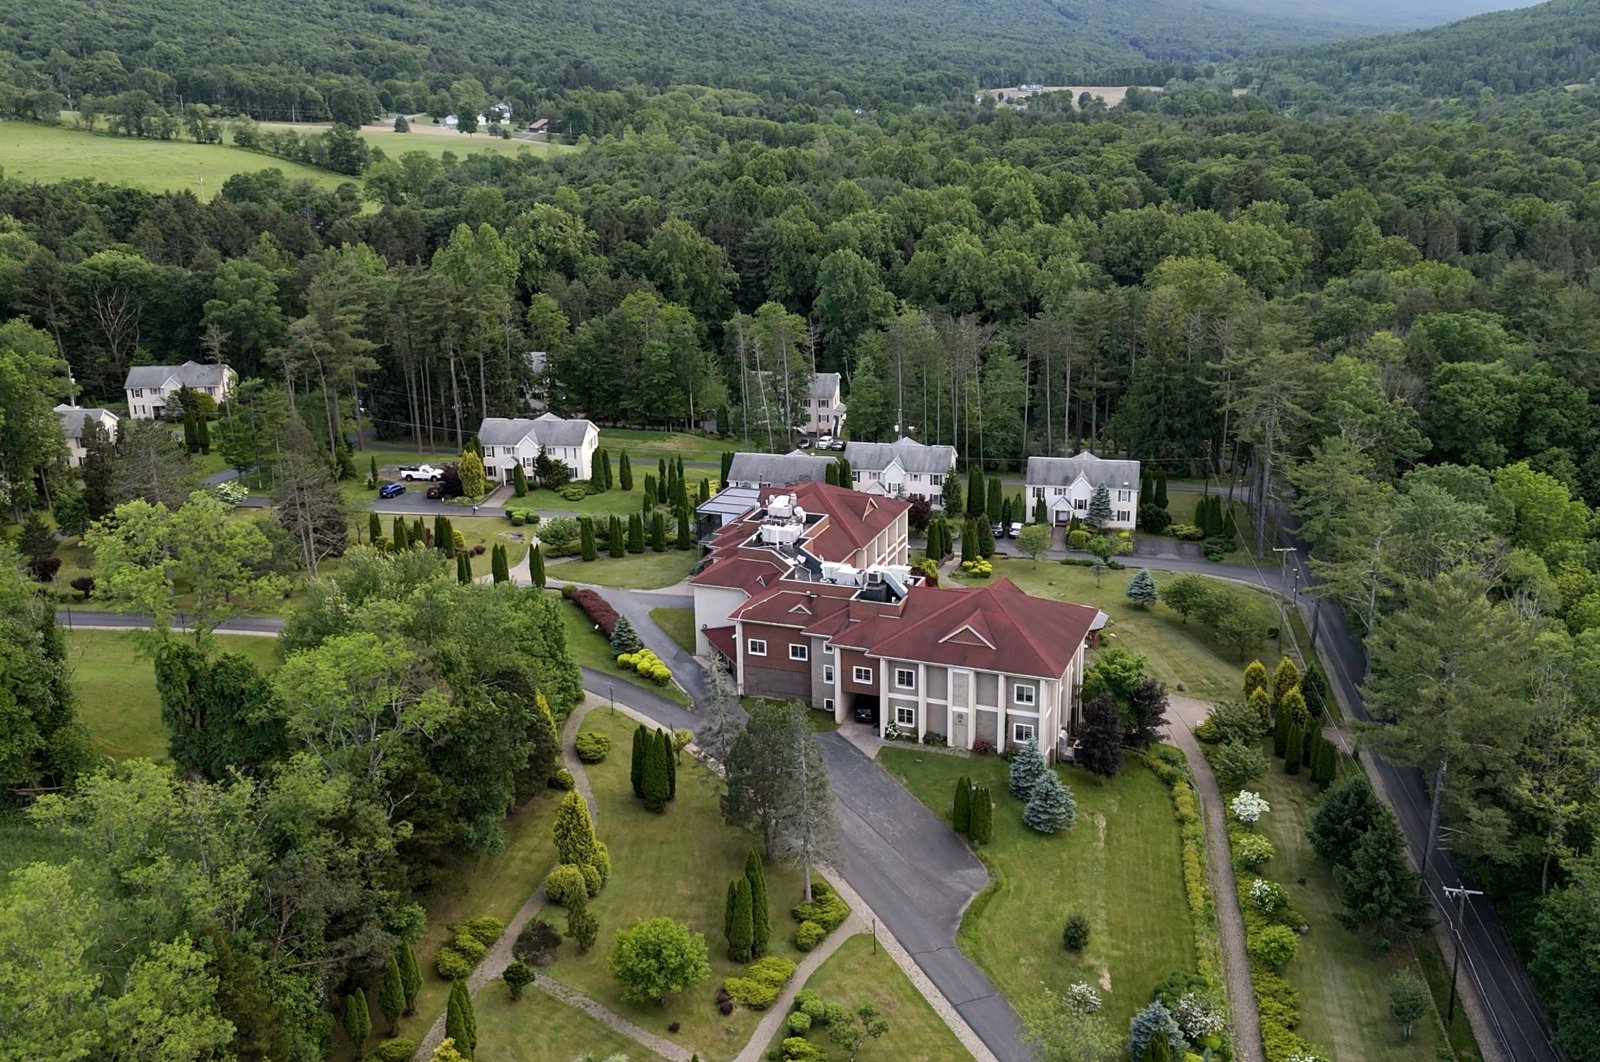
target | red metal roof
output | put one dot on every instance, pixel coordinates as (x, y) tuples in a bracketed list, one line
[(722, 639)]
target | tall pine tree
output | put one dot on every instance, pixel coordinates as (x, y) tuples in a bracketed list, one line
[(657, 789), (760, 914), (636, 764)]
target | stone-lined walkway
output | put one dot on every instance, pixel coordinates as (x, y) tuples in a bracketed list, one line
[(1188, 713)]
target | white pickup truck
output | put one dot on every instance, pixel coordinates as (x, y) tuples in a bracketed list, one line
[(415, 472)]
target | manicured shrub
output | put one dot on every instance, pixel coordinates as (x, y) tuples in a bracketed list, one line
[(799, 1049), (798, 1023), (517, 976), (591, 747), (1294, 747), (1251, 851), (624, 639), (1272, 945), (808, 935), (469, 946), (761, 982), (656, 784), (825, 909), (398, 1049), (597, 608), (1075, 934), (1051, 808), (451, 964), (564, 882), (561, 779), (591, 879)]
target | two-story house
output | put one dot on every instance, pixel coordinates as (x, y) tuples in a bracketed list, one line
[(904, 468), (73, 419), (777, 470), (1067, 485), (509, 442), (811, 533), (825, 408), (150, 387)]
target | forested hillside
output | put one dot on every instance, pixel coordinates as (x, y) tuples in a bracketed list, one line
[(1553, 45), (282, 61)]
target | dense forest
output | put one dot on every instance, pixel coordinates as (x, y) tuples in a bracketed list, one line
[(1553, 45)]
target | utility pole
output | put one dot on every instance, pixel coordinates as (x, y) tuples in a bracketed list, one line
[(1433, 821), (1460, 895)]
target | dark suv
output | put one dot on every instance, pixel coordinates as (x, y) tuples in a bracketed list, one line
[(866, 713)]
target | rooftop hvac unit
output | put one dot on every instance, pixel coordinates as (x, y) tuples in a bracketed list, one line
[(781, 507)]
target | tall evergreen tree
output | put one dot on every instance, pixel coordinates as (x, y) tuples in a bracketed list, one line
[(657, 789), (685, 529), (636, 763), (995, 505), (536, 567), (519, 482), (1027, 767), (1281, 725), (586, 538), (981, 829), (961, 805), (625, 472), (635, 533), (544, 758), (670, 755), (658, 532), (1161, 488), (740, 929), (616, 546), (969, 541), (1294, 747), (760, 911), (500, 564), (392, 994), (357, 1020), (603, 470), (374, 527), (727, 466), (1347, 811), (463, 569), (1051, 807), (976, 497), (460, 1022), (1379, 889), (582, 926)]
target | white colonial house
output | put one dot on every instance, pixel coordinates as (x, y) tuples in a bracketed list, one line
[(73, 421), (1067, 484), (824, 405), (150, 387), (904, 468), (509, 442), (777, 470)]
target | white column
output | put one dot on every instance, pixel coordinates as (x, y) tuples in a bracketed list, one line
[(922, 702), (883, 693)]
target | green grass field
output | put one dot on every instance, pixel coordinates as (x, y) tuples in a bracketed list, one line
[(636, 571), (1178, 652), (675, 865), (425, 140), (1121, 865), (1344, 992), (56, 153), (856, 974), (540, 1028), (590, 649), (116, 688), (678, 624)]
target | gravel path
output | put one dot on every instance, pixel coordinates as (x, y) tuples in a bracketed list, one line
[(1187, 713)]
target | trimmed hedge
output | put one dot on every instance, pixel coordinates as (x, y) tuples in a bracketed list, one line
[(591, 747), (1196, 884), (808, 935), (599, 611), (470, 941), (761, 982)]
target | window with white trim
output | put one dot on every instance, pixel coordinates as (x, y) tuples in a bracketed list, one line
[(862, 674), (905, 678), (1123, 515), (488, 452), (1124, 495), (905, 716), (799, 652), (827, 648), (755, 646), (936, 479), (1021, 733), (827, 674), (1022, 693), (827, 704)]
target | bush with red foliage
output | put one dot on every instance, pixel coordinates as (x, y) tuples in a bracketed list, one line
[(44, 569), (597, 609), (918, 515)]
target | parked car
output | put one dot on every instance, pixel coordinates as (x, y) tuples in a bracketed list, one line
[(436, 490), (999, 529), (866, 713), (824, 442), (427, 472), (391, 490), (837, 444), (1016, 529)]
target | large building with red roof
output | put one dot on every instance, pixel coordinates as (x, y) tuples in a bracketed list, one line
[(810, 596)]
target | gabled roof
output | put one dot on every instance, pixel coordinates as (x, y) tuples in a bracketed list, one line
[(73, 418), (749, 574), (546, 429), (778, 470), (855, 519), (824, 384), (189, 374), (1064, 471), (913, 456), (997, 627)]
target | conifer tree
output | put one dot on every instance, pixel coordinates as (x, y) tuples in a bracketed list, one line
[(1280, 732), (976, 497), (410, 976), (586, 538), (1255, 678), (985, 539), (536, 567), (760, 913), (1145, 494), (1041, 511), (372, 469), (657, 789), (357, 1020), (419, 534), (392, 994), (1261, 702), (727, 466), (685, 529), (574, 831), (460, 1023), (658, 532), (625, 472), (544, 758), (519, 482), (1142, 589), (671, 757), (499, 564), (624, 639), (1284, 679), (635, 533), (741, 927), (705, 490), (463, 569), (1051, 807), (582, 926), (615, 545), (442, 539), (1161, 489), (636, 764), (982, 829), (605, 470), (961, 806), (1027, 767), (399, 539), (1326, 764), (994, 506), (1346, 812), (950, 499), (1379, 889), (1294, 747), (374, 528)]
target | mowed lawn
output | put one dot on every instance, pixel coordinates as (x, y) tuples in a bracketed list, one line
[(674, 865), (857, 974), (635, 571), (116, 688), (1344, 990), (430, 141), (1121, 865), (590, 649), (677, 624), (56, 153), (541, 1028), (1178, 652)]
